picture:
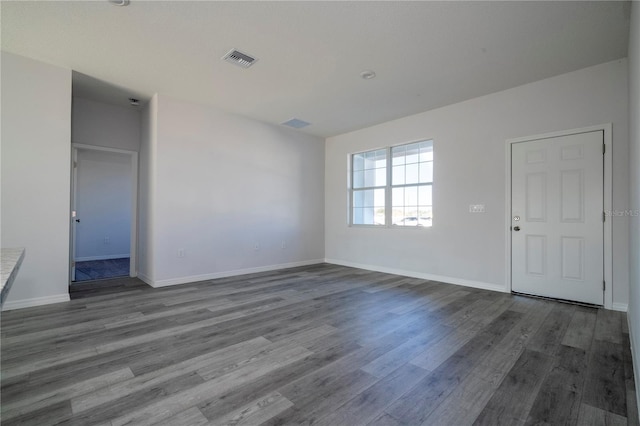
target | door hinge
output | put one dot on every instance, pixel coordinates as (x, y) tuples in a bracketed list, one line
[(604, 149), (604, 215), (604, 285)]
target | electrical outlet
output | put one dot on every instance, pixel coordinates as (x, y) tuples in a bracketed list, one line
[(256, 246), (180, 252), (283, 245), (107, 240)]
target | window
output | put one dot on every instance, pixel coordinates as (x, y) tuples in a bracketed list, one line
[(369, 182), (392, 186)]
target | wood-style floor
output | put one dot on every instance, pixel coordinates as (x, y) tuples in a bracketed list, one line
[(321, 345)]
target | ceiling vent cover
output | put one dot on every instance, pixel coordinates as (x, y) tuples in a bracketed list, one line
[(238, 58), (296, 123)]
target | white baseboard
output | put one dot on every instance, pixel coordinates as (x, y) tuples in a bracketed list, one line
[(36, 301), (422, 275), (622, 307), (103, 257), (145, 279), (224, 274)]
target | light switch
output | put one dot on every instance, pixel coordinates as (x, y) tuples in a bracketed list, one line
[(476, 208)]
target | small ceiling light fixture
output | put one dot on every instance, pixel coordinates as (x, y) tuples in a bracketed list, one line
[(134, 101), (119, 2), (367, 74)]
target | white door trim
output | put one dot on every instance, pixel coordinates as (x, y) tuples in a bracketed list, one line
[(133, 262), (608, 202)]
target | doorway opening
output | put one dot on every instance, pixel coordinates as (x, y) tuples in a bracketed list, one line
[(104, 213)]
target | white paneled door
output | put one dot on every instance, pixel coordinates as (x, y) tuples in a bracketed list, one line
[(557, 216)]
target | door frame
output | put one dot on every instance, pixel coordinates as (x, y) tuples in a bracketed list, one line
[(607, 196), (133, 257)]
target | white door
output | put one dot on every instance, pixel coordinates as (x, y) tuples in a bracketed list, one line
[(557, 238)]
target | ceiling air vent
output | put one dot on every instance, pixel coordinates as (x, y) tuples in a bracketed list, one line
[(296, 123), (238, 58)]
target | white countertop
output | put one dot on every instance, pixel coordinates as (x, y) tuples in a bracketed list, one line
[(11, 261)]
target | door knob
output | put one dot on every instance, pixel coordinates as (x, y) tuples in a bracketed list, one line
[(516, 228), (78, 220)]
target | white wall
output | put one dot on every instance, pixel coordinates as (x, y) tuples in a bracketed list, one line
[(634, 162), (103, 204), (469, 168), (100, 124), (36, 160), (224, 183)]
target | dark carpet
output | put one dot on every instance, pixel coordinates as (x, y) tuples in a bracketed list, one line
[(101, 269)]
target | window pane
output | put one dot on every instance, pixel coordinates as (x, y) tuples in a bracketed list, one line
[(424, 195), (379, 198), (358, 198), (411, 196), (397, 175), (375, 159), (358, 179), (369, 169), (397, 197), (426, 151), (381, 176), (413, 152), (426, 215), (368, 198), (374, 177), (426, 172), (368, 216), (425, 212), (411, 173), (398, 154), (397, 216), (370, 177), (368, 207)]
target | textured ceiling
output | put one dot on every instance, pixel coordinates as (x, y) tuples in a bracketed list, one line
[(311, 54)]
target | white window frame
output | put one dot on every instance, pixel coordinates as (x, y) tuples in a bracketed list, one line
[(388, 188)]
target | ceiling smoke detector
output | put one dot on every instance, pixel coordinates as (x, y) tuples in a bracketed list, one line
[(119, 2), (368, 74), (296, 123), (238, 58)]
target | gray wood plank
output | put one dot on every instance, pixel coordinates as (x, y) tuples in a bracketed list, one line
[(191, 417), (511, 402), (551, 334), (417, 404), (592, 416), (558, 400), (255, 412), (605, 384), (609, 326), (581, 328), (370, 403)]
